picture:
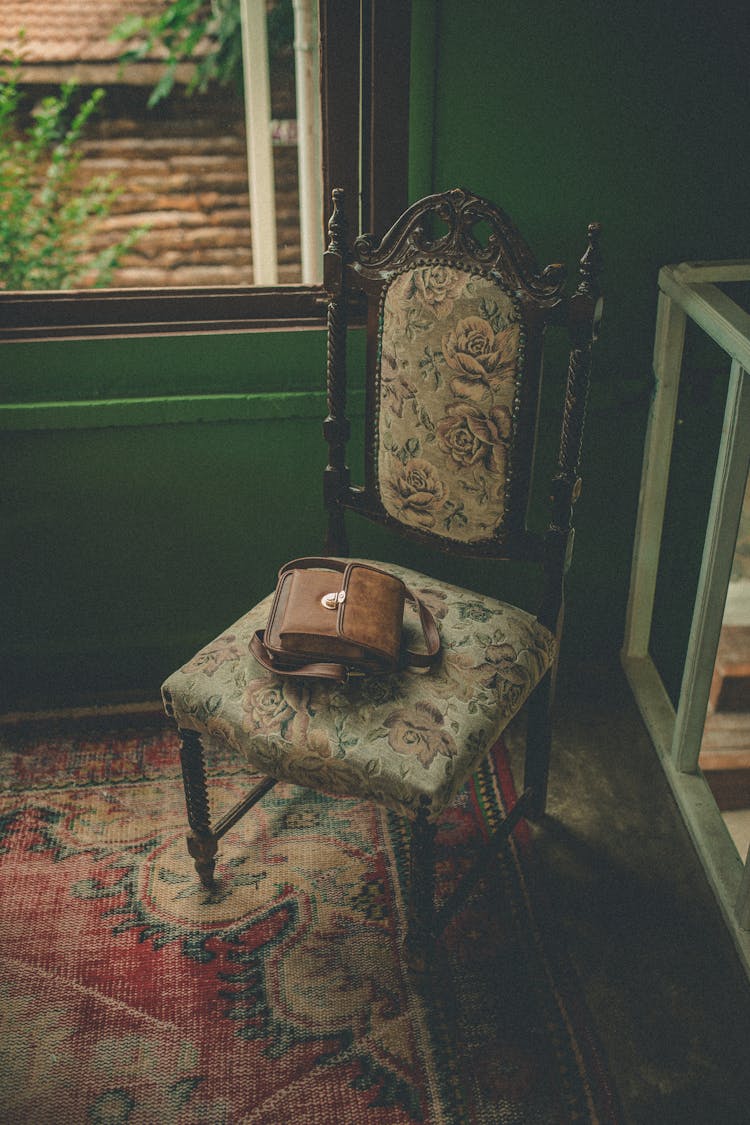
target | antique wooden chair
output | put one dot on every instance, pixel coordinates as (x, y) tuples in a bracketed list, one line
[(455, 330)]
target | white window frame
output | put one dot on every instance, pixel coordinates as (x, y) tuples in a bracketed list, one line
[(690, 290)]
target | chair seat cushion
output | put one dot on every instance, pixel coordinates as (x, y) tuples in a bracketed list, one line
[(404, 740)]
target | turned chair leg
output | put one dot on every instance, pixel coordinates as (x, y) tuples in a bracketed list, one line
[(538, 745), (201, 842), (420, 935)]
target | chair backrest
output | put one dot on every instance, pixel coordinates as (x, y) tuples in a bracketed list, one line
[(455, 333)]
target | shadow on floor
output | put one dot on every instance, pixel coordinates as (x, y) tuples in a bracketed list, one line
[(668, 995)]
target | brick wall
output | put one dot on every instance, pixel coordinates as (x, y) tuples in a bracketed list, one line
[(181, 166), (182, 172)]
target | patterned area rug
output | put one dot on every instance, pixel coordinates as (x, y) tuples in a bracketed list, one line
[(128, 994)]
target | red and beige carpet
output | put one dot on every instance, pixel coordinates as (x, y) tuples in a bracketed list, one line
[(129, 994)]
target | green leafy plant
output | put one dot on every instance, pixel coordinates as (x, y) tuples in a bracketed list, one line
[(47, 220), (204, 33)]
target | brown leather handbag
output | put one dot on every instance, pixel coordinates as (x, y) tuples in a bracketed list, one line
[(332, 620)]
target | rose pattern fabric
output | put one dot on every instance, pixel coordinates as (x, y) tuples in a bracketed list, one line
[(209, 659), (449, 366), (402, 739), (396, 391), (472, 437), (420, 733), (437, 287), (484, 359), (417, 493)]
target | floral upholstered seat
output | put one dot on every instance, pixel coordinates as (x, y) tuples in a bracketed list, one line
[(406, 740)]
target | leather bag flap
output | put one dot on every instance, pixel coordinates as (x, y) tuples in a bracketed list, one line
[(372, 612)]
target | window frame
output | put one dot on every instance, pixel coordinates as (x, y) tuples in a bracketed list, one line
[(365, 50)]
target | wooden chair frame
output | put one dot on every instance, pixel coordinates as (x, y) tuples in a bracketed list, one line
[(359, 275)]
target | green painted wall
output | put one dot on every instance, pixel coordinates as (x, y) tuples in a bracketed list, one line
[(143, 483), (147, 492), (635, 115)]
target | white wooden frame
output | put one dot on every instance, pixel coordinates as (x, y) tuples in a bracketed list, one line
[(260, 171), (689, 290), (260, 175)]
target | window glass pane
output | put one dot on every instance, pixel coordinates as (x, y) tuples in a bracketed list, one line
[(176, 157)]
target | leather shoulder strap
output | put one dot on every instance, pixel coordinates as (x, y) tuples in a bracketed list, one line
[(311, 562), (431, 636)]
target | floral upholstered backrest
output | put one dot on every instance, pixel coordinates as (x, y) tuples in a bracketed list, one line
[(448, 377)]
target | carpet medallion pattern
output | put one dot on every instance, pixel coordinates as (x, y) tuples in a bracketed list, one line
[(130, 994)]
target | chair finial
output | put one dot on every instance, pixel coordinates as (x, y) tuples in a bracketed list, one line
[(591, 263), (337, 224)]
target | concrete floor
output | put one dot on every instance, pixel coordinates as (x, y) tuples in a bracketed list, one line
[(668, 996)]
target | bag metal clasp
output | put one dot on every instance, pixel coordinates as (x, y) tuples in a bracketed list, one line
[(334, 599)]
